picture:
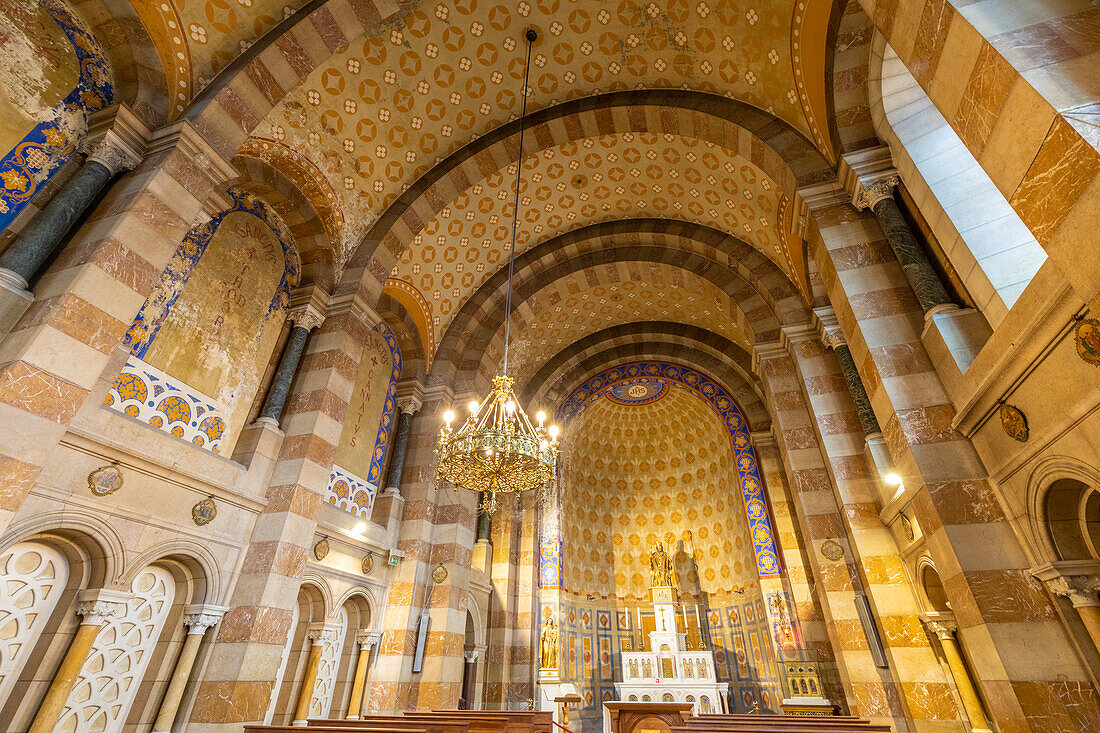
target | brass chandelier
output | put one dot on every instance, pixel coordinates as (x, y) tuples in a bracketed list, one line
[(498, 450)]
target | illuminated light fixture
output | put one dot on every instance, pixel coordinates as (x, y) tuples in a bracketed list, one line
[(892, 479), (498, 450)]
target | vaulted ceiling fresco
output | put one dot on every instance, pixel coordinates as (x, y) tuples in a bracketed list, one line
[(587, 181)]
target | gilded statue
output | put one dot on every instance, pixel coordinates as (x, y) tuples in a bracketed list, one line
[(660, 567), (548, 645)]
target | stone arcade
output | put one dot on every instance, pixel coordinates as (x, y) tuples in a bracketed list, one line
[(810, 286)]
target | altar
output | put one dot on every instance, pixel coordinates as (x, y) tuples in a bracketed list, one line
[(669, 671)]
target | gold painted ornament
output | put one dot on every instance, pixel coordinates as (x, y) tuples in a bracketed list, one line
[(907, 527), (1014, 423), (367, 563), (1086, 334), (105, 480), (204, 512), (439, 574), (320, 550), (832, 550)]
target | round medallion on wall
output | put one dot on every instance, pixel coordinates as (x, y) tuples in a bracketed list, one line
[(1086, 334), (106, 480), (1014, 423), (320, 550), (439, 574), (832, 550), (204, 512), (367, 564), (907, 527)]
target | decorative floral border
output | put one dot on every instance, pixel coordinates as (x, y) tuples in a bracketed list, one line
[(756, 508), (43, 150), (385, 425)]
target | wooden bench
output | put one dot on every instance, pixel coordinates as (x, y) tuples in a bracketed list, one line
[(536, 721), (780, 724), (393, 723), (330, 729)]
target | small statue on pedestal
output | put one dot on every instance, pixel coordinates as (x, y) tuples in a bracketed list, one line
[(548, 645), (660, 567)]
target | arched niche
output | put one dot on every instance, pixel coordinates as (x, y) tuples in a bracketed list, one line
[(1072, 512), (53, 74), (361, 453), (202, 340), (308, 610)]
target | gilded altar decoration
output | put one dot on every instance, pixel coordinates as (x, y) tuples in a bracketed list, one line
[(439, 574), (1086, 334), (106, 480), (367, 564), (548, 645), (832, 550), (660, 567), (320, 550), (204, 512), (1014, 423)]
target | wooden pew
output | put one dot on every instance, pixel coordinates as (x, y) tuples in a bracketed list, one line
[(539, 721), (330, 729), (400, 722), (781, 724)]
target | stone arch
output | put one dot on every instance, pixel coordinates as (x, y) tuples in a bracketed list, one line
[(848, 91), (930, 586), (1068, 476), (639, 336), (763, 291), (137, 63), (295, 196), (770, 144), (83, 537), (191, 558), (407, 332)]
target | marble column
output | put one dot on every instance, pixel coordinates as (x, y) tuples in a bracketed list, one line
[(95, 608), (469, 678), (304, 321), (408, 407), (23, 259), (366, 641), (317, 635), (197, 619), (834, 339), (945, 629), (484, 522), (879, 198)]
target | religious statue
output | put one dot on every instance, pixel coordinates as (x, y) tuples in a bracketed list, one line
[(660, 567), (548, 645)]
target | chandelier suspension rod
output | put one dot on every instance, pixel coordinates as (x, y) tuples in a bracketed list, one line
[(530, 35)]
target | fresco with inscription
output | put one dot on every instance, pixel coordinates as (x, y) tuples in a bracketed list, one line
[(215, 315)]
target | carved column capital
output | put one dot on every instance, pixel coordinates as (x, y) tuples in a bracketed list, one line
[(321, 633), (866, 197), (410, 397), (113, 153), (944, 628), (470, 655), (308, 317), (1081, 590), (368, 639), (833, 338), (199, 617), (98, 606)]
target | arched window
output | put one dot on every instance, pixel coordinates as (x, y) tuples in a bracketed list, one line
[(111, 676), (34, 577), (984, 239), (327, 669)]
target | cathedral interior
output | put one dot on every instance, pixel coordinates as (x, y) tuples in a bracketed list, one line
[(806, 285)]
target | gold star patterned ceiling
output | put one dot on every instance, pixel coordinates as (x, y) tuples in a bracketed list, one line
[(196, 39), (584, 182), (573, 307), (381, 112), (636, 474)]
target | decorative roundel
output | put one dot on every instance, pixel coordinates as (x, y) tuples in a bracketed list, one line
[(637, 391)]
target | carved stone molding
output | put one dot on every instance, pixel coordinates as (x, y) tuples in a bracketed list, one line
[(410, 397), (113, 153), (200, 617), (866, 197), (308, 317), (470, 655), (96, 607), (943, 628), (368, 639), (833, 338), (322, 633), (1079, 581)]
